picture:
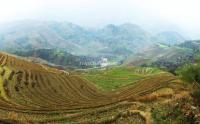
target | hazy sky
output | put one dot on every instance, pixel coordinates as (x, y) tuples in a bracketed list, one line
[(183, 13)]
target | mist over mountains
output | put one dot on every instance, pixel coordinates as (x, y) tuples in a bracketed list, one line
[(112, 39)]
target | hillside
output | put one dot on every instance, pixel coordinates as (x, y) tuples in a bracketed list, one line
[(192, 45), (166, 57), (34, 93), (60, 58)]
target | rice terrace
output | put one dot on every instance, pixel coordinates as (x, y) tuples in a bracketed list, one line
[(99, 62), (31, 93)]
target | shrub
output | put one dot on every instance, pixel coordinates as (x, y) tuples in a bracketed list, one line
[(196, 94), (191, 74), (168, 115)]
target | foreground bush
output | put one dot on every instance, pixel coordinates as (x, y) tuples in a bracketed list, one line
[(191, 74)]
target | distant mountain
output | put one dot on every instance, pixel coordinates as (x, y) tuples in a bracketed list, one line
[(170, 37), (111, 40), (35, 35), (165, 26), (128, 36)]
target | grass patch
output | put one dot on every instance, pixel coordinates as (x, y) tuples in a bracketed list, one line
[(168, 115), (162, 45), (113, 78)]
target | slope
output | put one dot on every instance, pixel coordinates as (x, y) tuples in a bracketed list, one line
[(36, 93)]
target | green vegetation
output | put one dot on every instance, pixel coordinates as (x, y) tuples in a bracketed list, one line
[(113, 78), (168, 115), (168, 59), (161, 45), (59, 53), (191, 73), (61, 58)]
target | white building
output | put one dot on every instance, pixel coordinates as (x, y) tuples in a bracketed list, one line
[(104, 62)]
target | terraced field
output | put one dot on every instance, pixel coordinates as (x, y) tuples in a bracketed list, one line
[(33, 93), (116, 77)]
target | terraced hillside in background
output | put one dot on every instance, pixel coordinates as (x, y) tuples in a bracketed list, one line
[(33, 93), (166, 57)]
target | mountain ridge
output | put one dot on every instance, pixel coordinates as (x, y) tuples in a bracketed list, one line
[(25, 35)]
